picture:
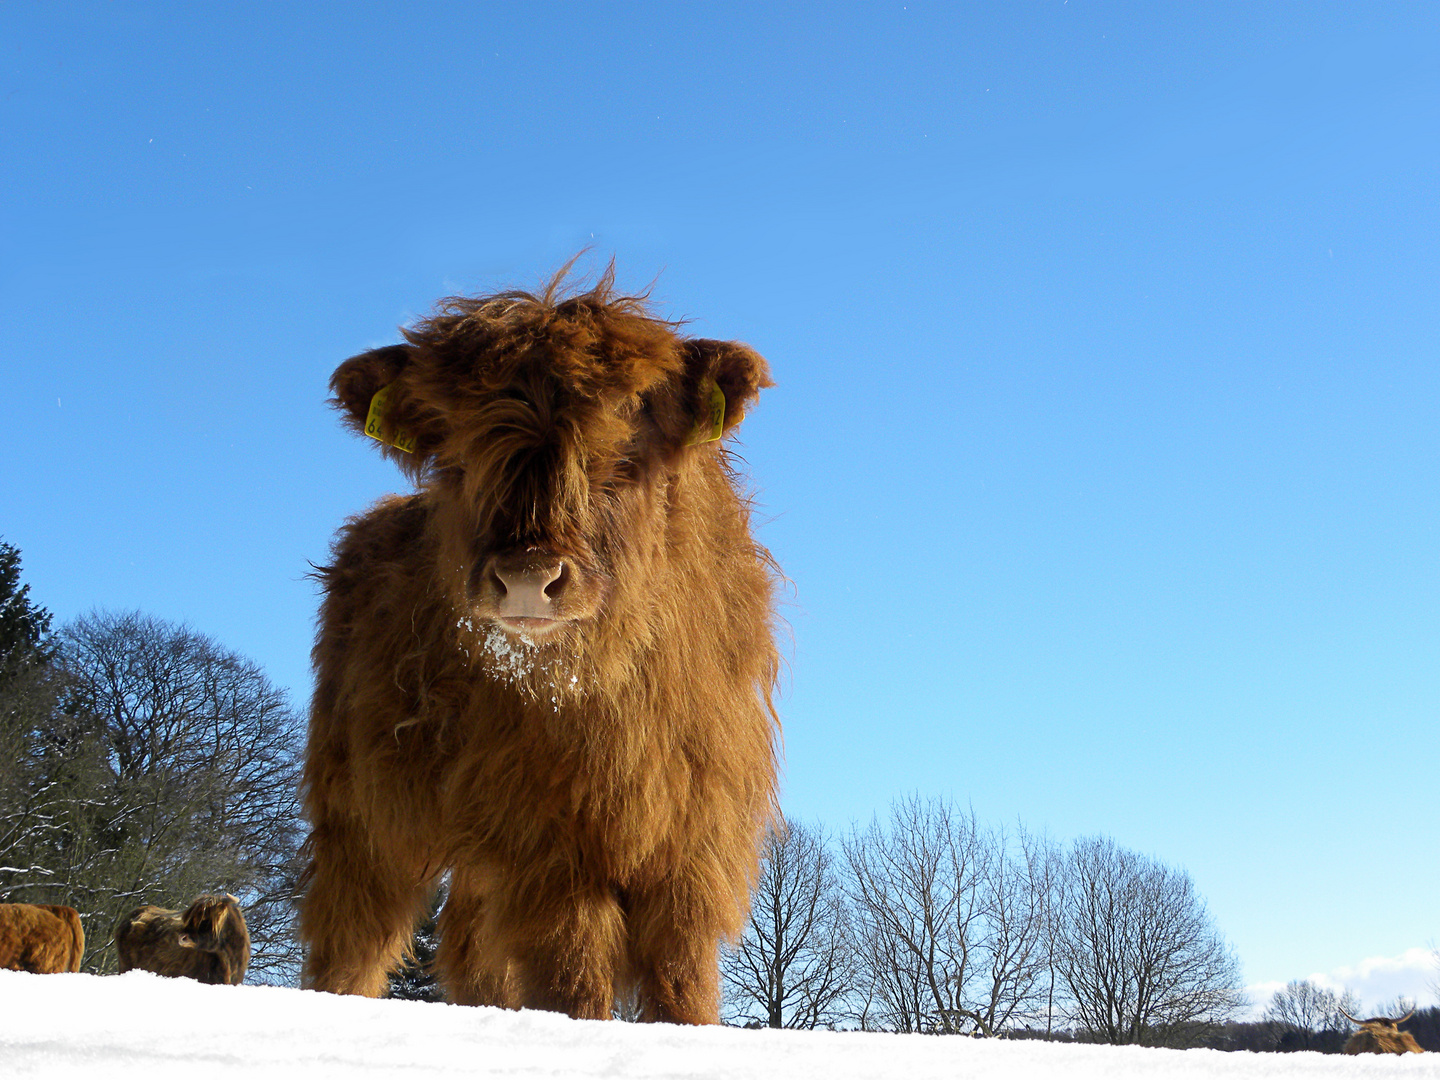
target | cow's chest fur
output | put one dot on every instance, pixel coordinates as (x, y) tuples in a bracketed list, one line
[(517, 754)]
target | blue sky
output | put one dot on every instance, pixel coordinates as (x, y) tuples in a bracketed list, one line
[(1104, 450)]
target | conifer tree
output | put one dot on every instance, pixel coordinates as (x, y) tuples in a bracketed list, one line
[(49, 761), (23, 626), (416, 980)]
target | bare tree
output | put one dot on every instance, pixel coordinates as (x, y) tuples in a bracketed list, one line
[(792, 967), (1310, 1017), (950, 921), (1014, 943), (192, 786), (1052, 881), (1433, 1012), (1304, 1005), (1137, 952), (915, 892)]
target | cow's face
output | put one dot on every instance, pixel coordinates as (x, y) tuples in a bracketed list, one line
[(547, 434)]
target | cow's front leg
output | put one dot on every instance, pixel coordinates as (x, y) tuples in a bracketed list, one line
[(675, 957), (568, 952), (357, 914), (473, 961)]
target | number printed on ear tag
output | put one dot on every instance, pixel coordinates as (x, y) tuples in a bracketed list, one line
[(711, 423), (377, 424)]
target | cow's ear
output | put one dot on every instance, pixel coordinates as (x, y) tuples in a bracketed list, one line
[(723, 380), (357, 381), (372, 392)]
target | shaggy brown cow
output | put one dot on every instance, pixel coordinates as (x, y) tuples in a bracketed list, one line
[(1381, 1035), (549, 670), (208, 941), (40, 938)]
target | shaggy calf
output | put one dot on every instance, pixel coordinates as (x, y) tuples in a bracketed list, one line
[(40, 938), (1381, 1035), (549, 670), (208, 941)]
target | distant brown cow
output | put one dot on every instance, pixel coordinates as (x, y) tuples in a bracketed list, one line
[(549, 670), (208, 941), (1381, 1035), (41, 938)]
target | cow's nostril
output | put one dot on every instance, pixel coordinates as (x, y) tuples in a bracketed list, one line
[(499, 583), (562, 578)]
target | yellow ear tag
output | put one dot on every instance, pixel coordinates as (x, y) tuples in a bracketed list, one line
[(710, 425), (377, 428)]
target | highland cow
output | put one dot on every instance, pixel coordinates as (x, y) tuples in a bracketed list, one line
[(547, 672), (1381, 1035), (43, 939), (208, 941)]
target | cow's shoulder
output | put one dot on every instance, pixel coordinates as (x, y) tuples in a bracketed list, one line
[(388, 537), (379, 559), (389, 529)]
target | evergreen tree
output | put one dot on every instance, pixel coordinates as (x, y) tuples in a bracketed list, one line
[(50, 762), (23, 626), (416, 981)]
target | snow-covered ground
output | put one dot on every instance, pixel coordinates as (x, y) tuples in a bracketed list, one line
[(140, 1025)]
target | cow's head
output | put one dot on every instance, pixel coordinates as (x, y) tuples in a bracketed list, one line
[(208, 920), (547, 431)]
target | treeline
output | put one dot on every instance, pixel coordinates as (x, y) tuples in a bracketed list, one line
[(141, 762), (930, 922), (1305, 1016)]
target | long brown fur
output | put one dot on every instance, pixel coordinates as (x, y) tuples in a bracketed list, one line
[(208, 941), (1382, 1035), (44, 939), (597, 795)]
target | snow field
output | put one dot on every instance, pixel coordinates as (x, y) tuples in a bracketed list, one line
[(140, 1025)]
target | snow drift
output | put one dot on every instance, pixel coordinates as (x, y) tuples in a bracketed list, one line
[(140, 1025)]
